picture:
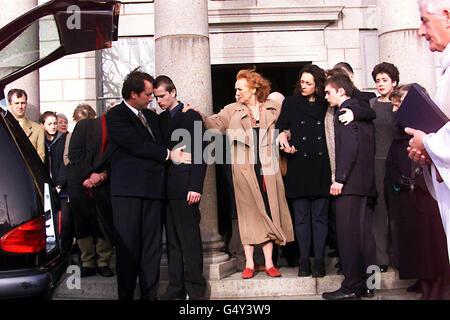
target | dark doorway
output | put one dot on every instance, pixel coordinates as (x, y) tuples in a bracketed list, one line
[(282, 77)]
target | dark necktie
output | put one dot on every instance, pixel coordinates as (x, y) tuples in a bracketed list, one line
[(144, 122)]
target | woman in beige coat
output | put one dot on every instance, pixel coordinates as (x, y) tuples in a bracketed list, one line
[(263, 213)]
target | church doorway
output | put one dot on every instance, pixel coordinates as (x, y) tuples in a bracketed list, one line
[(282, 77)]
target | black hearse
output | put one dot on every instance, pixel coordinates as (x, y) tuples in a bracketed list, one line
[(30, 259)]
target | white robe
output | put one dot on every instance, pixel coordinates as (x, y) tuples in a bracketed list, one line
[(438, 147)]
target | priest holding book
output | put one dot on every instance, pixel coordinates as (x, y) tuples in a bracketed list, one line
[(433, 149)]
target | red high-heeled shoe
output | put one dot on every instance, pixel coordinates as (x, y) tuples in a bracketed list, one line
[(273, 272), (248, 273)]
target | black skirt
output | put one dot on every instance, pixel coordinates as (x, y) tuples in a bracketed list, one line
[(422, 242), (259, 173)]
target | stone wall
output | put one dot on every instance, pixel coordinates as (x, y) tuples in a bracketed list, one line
[(241, 31)]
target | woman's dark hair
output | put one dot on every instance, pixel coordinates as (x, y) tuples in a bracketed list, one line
[(45, 115), (388, 68), (344, 65), (134, 82), (335, 72), (342, 81), (319, 79)]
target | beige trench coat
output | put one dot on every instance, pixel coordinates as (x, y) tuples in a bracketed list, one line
[(255, 226), (35, 132)]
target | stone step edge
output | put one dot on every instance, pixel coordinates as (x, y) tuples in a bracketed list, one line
[(230, 287)]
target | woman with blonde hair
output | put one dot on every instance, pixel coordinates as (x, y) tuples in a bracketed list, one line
[(263, 213)]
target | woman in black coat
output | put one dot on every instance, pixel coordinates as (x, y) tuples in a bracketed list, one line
[(422, 246), (309, 173)]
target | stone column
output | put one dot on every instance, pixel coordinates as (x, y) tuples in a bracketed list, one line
[(401, 45), (182, 52), (29, 48)]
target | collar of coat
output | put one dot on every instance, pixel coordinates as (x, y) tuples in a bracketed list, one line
[(269, 115)]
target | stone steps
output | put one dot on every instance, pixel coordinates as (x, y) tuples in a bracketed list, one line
[(261, 286)]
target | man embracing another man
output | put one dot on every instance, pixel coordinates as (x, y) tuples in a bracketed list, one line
[(184, 188), (355, 189)]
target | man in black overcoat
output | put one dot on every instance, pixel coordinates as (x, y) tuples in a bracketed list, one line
[(355, 189), (88, 173)]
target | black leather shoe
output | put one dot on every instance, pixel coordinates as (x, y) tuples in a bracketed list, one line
[(341, 295), (383, 267), (367, 293), (305, 268), (318, 268), (105, 272), (87, 272)]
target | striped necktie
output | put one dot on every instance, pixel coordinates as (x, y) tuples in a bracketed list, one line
[(144, 122)]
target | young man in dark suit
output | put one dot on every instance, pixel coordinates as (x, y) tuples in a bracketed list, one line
[(137, 186), (184, 187), (354, 187), (363, 97)]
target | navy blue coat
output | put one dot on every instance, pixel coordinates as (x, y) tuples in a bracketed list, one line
[(309, 172), (138, 160), (355, 154), (182, 178)]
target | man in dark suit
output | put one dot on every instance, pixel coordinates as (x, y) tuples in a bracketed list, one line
[(184, 186), (89, 193), (354, 187), (137, 186)]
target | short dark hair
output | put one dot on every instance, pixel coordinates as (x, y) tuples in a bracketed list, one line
[(344, 65), (336, 71), (166, 81), (45, 115), (341, 81), (134, 82), (319, 79), (388, 68), (18, 92)]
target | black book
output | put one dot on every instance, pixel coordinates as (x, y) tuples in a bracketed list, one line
[(418, 111)]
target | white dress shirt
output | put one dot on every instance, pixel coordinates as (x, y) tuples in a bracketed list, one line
[(136, 112)]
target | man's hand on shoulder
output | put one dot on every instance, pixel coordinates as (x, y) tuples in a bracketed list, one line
[(346, 116), (188, 107)]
